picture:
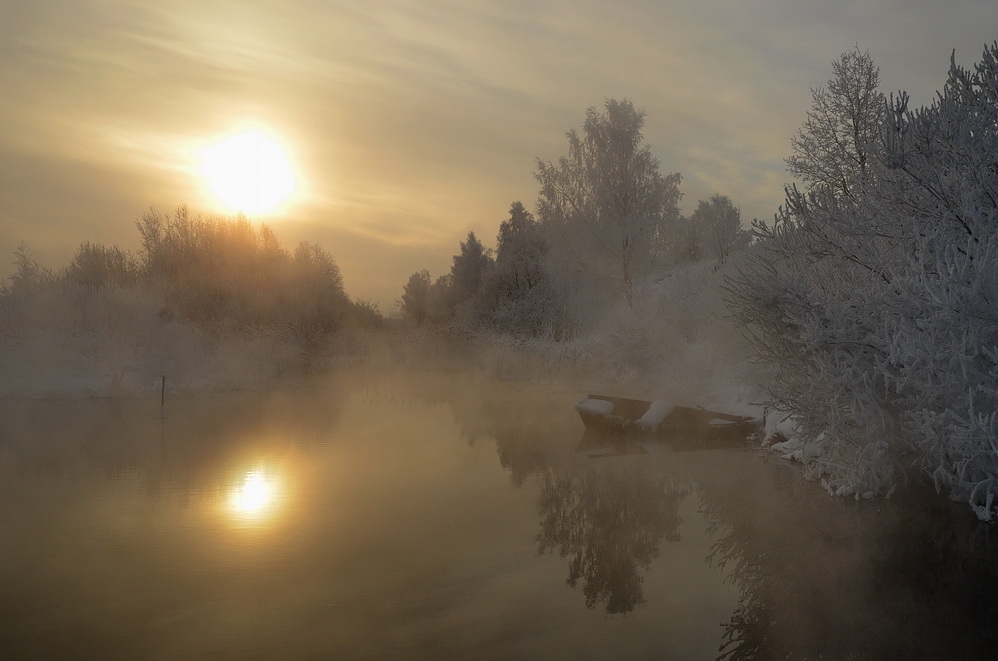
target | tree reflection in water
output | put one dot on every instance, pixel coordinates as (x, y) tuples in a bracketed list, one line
[(817, 577), (609, 518)]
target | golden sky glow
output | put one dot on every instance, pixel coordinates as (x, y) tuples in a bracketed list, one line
[(411, 123)]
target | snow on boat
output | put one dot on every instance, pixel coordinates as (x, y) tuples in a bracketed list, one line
[(684, 427)]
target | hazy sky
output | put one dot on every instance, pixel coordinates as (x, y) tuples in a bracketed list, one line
[(412, 122)]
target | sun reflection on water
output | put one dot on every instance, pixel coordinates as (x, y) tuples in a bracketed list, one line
[(256, 497)]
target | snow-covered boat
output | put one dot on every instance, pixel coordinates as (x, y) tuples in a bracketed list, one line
[(619, 417)]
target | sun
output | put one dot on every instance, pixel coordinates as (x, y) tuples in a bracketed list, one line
[(249, 172)]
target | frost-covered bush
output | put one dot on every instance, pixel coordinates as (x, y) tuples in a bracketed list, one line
[(879, 310), (95, 266), (29, 278), (718, 224)]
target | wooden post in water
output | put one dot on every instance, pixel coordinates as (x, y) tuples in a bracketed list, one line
[(162, 398)]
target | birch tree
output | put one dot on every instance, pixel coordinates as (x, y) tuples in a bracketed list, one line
[(719, 224), (832, 150), (606, 203)]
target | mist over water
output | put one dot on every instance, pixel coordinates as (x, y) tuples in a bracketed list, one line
[(211, 447), (431, 515)]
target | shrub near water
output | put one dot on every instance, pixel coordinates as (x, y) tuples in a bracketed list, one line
[(878, 307)]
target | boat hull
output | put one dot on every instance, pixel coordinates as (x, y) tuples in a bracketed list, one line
[(618, 419)]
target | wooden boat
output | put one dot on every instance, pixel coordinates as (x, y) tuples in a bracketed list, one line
[(622, 420)]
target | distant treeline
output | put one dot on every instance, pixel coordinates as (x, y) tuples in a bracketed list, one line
[(212, 271), (606, 221), (208, 301)]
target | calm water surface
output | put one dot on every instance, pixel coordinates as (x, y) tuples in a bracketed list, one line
[(420, 516)]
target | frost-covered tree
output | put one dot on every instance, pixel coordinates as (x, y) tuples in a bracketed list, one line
[(441, 303), (878, 311), (516, 233), (226, 270), (469, 268), (518, 296), (520, 251), (317, 269), (606, 203), (415, 301), (318, 303), (719, 227), (29, 276), (95, 266), (685, 241), (832, 150)]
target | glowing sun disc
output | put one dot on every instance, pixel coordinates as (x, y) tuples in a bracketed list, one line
[(248, 172)]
